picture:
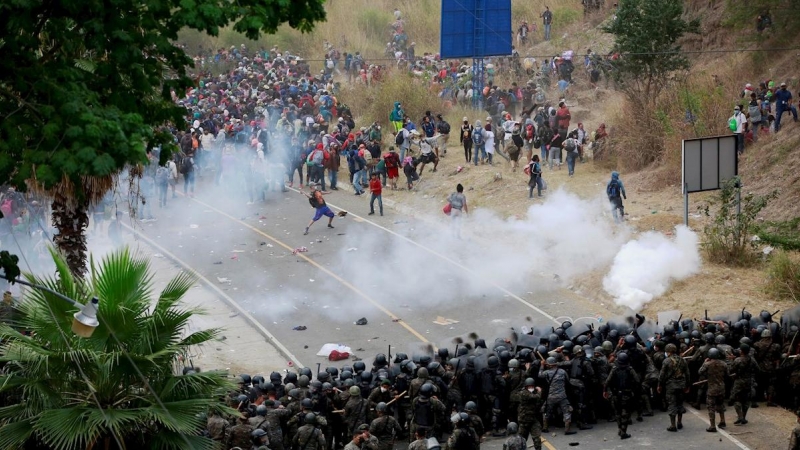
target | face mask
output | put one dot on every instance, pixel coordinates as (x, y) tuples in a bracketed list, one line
[(530, 389), (383, 389), (686, 341), (666, 354)]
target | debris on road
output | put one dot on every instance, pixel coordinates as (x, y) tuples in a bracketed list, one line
[(444, 321), (352, 249), (158, 255), (338, 356), (299, 250), (218, 263), (235, 257), (396, 320), (233, 314), (224, 280), (237, 251), (361, 321), (300, 328), (327, 349), (342, 213)]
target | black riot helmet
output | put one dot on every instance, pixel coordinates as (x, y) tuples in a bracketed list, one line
[(400, 357), (505, 357), (630, 341), (566, 324), (613, 335), (444, 354), (424, 360), (714, 353), (480, 343), (290, 377), (346, 375), (306, 371), (426, 391), (306, 403), (581, 340), (493, 362), (275, 378), (435, 369), (746, 315), (246, 379), (720, 339), (310, 419), (709, 338), (359, 366), (333, 372), (380, 360), (604, 328), (462, 351), (366, 376), (470, 407), (567, 346), (324, 377), (695, 334), (257, 380), (766, 316)]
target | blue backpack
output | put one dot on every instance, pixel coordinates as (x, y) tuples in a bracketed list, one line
[(613, 189), (477, 136)]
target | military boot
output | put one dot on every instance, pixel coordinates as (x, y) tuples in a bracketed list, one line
[(672, 424), (568, 428), (721, 423), (738, 414), (680, 421), (647, 406), (711, 420), (545, 428)]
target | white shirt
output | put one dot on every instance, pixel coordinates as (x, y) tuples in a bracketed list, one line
[(740, 121), (488, 136)]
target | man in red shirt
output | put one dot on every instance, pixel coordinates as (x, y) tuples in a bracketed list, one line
[(562, 119), (375, 190)]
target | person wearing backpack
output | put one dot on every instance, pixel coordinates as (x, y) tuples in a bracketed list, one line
[(443, 127), (320, 207), (187, 170), (478, 143), (396, 117), (545, 135), (736, 124), (403, 141), (528, 134), (392, 167), (571, 147), (534, 170), (466, 139), (615, 191), (754, 115), (360, 165)]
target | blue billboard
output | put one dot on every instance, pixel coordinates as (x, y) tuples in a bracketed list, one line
[(475, 28)]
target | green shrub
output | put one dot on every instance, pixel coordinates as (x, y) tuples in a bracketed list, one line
[(728, 237), (374, 23), (785, 235), (783, 281)]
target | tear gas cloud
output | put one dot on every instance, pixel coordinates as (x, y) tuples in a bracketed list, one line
[(644, 267)]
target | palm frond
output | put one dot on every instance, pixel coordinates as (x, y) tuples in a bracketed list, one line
[(15, 433)]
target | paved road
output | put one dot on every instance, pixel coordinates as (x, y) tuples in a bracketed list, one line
[(399, 273)]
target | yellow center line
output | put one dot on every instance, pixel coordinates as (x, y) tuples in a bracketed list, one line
[(344, 282), (547, 444)]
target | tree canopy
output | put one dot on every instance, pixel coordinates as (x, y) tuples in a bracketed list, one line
[(85, 84), (646, 34)]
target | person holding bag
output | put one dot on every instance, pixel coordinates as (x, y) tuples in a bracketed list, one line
[(534, 169)]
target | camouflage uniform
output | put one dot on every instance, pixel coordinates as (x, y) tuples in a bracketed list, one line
[(768, 355), (515, 442), (385, 429), (217, 428), (274, 418), (557, 379), (419, 444), (308, 437), (477, 424), (716, 372), (463, 438), (742, 371), (674, 378), (240, 436), (355, 413), (530, 403), (427, 415)]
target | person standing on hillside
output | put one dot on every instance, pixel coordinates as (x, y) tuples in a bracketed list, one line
[(466, 139), (736, 124), (783, 103), (443, 127), (547, 19), (396, 117)]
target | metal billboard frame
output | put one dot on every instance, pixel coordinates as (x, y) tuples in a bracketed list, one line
[(706, 163)]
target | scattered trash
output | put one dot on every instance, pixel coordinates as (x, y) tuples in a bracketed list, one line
[(237, 251), (352, 249), (262, 243), (305, 347), (396, 320), (300, 328), (158, 255), (574, 444), (443, 321), (235, 257), (338, 356), (360, 350), (311, 280), (342, 213), (459, 169), (397, 222), (224, 280), (328, 348), (263, 217), (218, 262), (299, 250), (767, 250), (233, 314), (289, 363), (361, 321), (194, 226)]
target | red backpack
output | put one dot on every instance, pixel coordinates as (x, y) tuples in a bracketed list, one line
[(529, 132)]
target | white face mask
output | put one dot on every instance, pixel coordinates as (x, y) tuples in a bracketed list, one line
[(383, 389), (531, 389)]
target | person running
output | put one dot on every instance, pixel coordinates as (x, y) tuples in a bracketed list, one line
[(458, 206), (318, 202), (534, 169)]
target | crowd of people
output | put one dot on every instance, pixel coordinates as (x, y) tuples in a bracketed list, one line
[(523, 385), (760, 111)]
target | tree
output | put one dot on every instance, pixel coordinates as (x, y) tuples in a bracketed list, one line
[(646, 35), (84, 86), (116, 389)]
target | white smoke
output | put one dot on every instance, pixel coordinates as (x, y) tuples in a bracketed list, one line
[(644, 268)]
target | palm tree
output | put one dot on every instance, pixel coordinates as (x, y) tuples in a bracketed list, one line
[(117, 389)]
